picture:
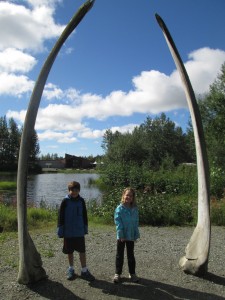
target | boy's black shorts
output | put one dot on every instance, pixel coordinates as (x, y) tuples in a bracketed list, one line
[(74, 244)]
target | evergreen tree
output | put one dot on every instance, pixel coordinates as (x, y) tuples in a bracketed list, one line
[(212, 108), (149, 144), (10, 137), (4, 144), (34, 148), (14, 141)]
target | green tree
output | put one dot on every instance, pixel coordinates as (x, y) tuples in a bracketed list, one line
[(212, 108), (150, 144), (109, 138), (14, 142), (4, 144), (163, 140), (10, 137), (127, 148), (34, 148)]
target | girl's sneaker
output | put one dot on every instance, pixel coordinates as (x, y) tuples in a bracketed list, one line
[(133, 277), (116, 278)]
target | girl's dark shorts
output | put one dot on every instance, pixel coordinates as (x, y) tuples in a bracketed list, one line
[(74, 244)]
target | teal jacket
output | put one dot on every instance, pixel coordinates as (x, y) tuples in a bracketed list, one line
[(127, 222)]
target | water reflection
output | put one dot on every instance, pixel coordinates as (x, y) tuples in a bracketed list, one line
[(52, 188)]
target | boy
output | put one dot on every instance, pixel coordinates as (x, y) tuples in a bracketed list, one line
[(72, 226)]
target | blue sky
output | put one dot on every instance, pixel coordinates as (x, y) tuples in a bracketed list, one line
[(113, 71)]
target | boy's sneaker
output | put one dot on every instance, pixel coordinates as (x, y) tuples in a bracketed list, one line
[(70, 274), (116, 278), (87, 276), (133, 277)]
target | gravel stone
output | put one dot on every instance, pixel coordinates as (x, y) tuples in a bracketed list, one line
[(157, 255)]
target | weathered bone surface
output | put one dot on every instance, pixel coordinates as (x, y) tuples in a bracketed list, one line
[(196, 256), (30, 265)]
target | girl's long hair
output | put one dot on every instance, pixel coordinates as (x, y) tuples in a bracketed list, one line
[(129, 189)]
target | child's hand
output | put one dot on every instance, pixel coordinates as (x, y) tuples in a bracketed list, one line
[(60, 232), (122, 240), (85, 230)]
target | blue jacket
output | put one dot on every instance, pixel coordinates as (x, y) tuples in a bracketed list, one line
[(127, 222), (72, 218)]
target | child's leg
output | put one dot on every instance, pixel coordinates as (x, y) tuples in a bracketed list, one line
[(83, 260), (130, 256), (85, 273), (70, 271), (119, 257), (70, 259)]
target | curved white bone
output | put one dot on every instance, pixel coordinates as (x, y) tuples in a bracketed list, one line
[(195, 260), (30, 264)]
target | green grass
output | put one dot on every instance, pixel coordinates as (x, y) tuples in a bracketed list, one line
[(153, 211), (36, 218), (8, 218), (7, 186), (72, 171), (97, 221)]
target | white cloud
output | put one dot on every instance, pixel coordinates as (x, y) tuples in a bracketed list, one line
[(51, 91), (51, 3), (203, 67), (69, 50), (153, 92), (61, 137), (125, 128), (13, 60), (15, 85), (23, 30), (89, 133), (26, 29)]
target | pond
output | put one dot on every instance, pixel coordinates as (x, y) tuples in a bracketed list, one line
[(50, 188)]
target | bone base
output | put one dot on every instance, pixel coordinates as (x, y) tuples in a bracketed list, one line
[(193, 266)]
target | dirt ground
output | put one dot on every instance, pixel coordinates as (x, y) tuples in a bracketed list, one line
[(157, 254)]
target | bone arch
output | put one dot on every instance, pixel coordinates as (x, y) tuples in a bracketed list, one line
[(30, 264), (196, 257)]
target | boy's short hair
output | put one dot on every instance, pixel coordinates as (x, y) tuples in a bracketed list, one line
[(73, 185)]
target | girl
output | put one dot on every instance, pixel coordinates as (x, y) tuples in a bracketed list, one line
[(126, 218)]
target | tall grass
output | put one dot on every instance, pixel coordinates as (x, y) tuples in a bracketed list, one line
[(8, 218), (157, 210), (154, 210), (217, 212), (7, 185), (36, 217)]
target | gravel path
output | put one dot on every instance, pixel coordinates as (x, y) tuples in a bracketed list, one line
[(157, 254)]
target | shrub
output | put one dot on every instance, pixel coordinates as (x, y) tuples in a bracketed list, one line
[(8, 218), (217, 212), (217, 181), (7, 185), (161, 210), (179, 180), (156, 210), (36, 217), (105, 211)]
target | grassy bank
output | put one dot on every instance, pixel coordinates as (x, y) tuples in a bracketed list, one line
[(36, 217), (153, 212), (7, 186)]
